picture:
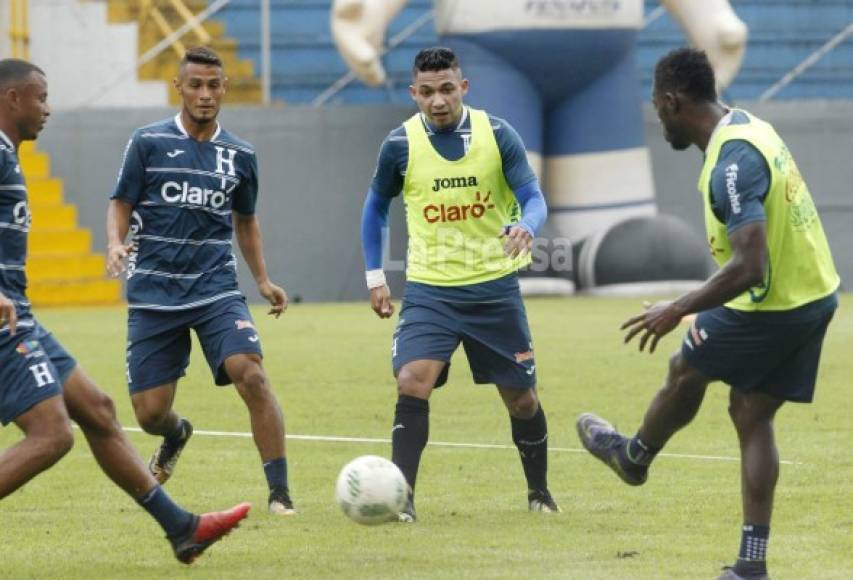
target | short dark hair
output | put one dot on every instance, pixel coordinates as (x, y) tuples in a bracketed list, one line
[(687, 71), (435, 58), (15, 70), (201, 55)]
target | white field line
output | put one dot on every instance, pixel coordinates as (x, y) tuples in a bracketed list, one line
[(334, 439)]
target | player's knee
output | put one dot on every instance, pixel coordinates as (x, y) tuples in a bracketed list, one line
[(524, 406), (252, 382), (412, 383), (102, 414), (746, 416), (149, 418)]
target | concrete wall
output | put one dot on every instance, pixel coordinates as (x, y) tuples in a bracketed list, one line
[(88, 61), (315, 166)]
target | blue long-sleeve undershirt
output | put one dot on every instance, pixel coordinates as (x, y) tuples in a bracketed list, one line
[(374, 219), (534, 211)]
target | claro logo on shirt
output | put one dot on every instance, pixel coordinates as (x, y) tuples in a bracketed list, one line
[(443, 212), (174, 192)]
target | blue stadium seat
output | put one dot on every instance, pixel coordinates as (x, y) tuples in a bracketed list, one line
[(782, 34)]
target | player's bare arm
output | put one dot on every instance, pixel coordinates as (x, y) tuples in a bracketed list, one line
[(248, 232), (745, 270), (8, 314), (118, 224)]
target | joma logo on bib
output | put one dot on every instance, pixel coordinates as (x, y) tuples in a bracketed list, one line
[(174, 192), (440, 183)]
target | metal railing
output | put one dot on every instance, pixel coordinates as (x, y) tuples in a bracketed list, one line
[(807, 63), (19, 28), (151, 9)]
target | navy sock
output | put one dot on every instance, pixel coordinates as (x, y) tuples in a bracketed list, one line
[(531, 438), (753, 543), (640, 453), (409, 435), (175, 436), (276, 473), (174, 520)]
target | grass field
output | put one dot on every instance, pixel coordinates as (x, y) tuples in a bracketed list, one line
[(330, 368)]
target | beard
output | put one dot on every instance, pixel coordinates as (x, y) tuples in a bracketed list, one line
[(677, 141)]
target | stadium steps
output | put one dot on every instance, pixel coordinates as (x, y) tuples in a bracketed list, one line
[(243, 86), (62, 270)]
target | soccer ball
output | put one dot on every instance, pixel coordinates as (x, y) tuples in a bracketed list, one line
[(371, 490)]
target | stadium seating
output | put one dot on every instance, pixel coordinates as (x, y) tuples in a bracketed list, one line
[(782, 34), (61, 267), (244, 86)]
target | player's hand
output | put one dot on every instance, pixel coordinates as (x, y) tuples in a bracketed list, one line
[(656, 322), (275, 295), (8, 314), (380, 301), (517, 241), (116, 256)]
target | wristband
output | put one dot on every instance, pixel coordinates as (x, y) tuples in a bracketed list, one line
[(375, 278)]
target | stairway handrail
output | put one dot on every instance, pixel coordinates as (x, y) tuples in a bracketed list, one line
[(807, 63), (19, 29), (393, 42)]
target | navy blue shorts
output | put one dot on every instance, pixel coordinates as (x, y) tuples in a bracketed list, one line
[(776, 353), (33, 367), (494, 334), (158, 342)]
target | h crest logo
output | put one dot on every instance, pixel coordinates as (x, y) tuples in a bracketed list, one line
[(224, 160)]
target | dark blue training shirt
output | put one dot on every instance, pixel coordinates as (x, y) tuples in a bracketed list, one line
[(740, 181), (14, 227), (183, 192)]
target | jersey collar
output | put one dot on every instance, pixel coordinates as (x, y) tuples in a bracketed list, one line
[(6, 140), (724, 122), (184, 131), (432, 130)]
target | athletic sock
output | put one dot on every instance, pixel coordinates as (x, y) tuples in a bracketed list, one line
[(752, 559), (174, 520), (275, 471), (531, 438), (409, 435), (640, 453), (174, 437)]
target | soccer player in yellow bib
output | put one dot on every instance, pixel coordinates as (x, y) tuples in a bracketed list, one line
[(473, 207), (761, 318)]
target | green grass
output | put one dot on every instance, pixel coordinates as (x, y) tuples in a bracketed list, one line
[(330, 368)]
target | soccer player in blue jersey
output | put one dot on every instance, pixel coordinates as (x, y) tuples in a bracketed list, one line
[(473, 206), (185, 186), (761, 318), (42, 388)]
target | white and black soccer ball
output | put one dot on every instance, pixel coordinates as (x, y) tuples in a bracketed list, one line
[(371, 490)]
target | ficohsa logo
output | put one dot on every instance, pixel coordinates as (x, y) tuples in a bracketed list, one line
[(174, 192)]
